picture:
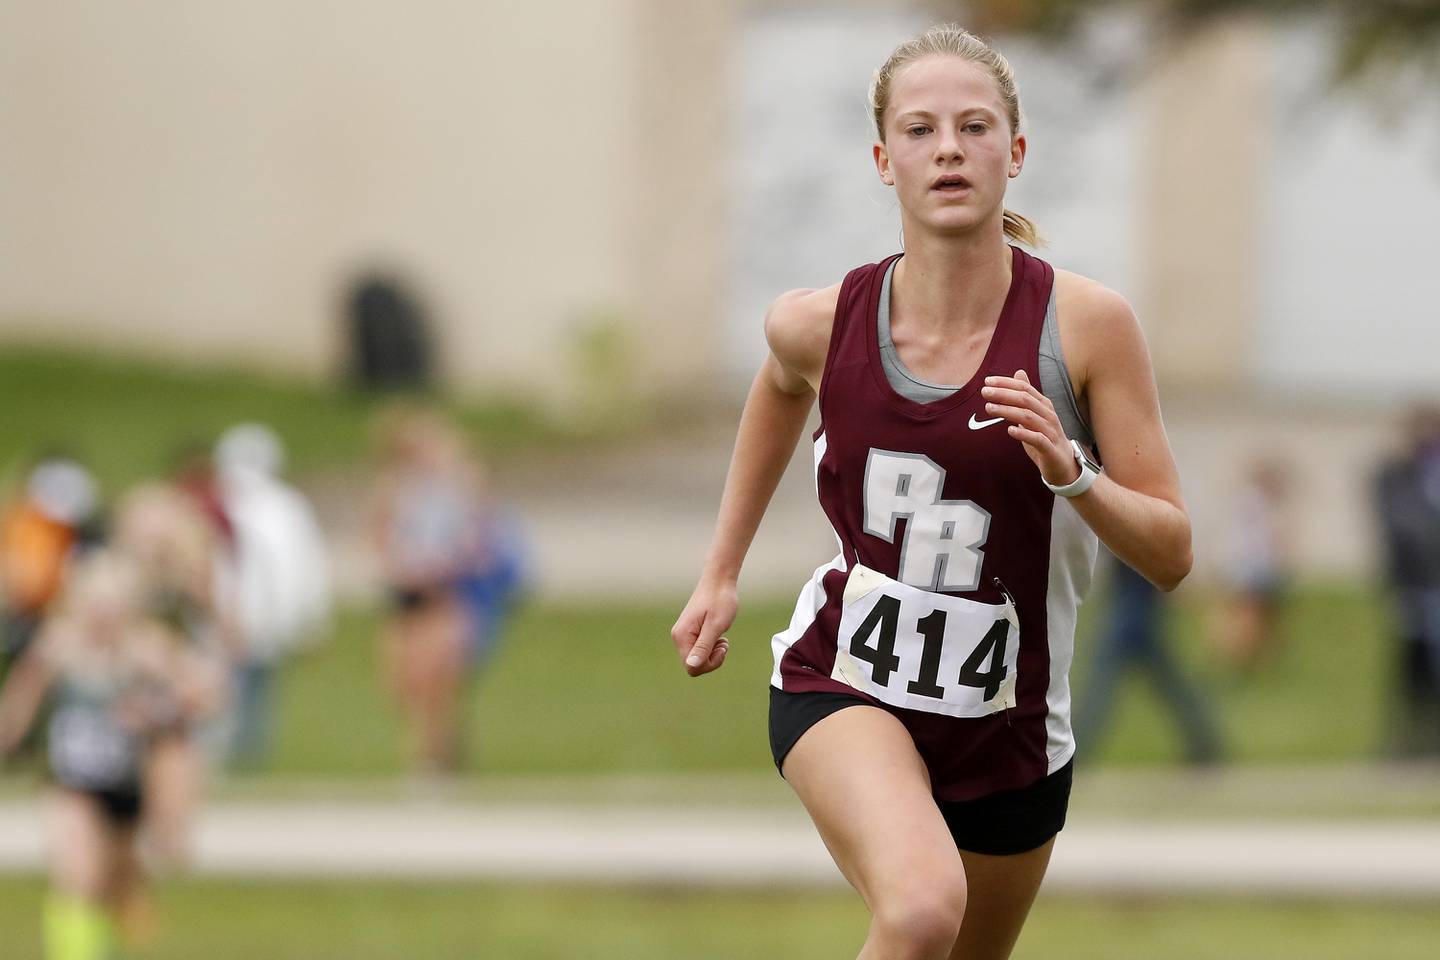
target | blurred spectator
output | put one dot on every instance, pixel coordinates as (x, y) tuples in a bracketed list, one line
[(1407, 502), (1134, 639), (451, 565), (493, 582), (195, 475), (39, 530), (123, 682), (279, 589), (1255, 567)]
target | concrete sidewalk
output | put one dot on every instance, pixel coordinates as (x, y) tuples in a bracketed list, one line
[(759, 847)]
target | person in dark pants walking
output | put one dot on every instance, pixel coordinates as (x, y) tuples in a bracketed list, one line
[(1407, 505), (1134, 639)]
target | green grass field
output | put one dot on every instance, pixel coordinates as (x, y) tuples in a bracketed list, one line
[(598, 690), (371, 920), (126, 418)]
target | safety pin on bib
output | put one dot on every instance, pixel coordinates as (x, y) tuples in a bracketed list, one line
[(1014, 617)]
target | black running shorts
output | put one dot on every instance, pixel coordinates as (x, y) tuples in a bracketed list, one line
[(122, 806), (1008, 822)]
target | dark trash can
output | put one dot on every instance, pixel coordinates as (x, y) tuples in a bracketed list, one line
[(388, 333)]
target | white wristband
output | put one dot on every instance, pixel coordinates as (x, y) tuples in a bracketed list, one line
[(1088, 473)]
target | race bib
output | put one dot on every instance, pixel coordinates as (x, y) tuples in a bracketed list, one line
[(922, 650)]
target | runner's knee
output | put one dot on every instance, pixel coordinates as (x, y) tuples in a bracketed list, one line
[(922, 918)]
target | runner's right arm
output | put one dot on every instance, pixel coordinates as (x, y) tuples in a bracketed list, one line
[(797, 329), (23, 693)]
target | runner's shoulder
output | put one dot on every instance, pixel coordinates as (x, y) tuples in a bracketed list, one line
[(1091, 304), (797, 326), (1095, 322)]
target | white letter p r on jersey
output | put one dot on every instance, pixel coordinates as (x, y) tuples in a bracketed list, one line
[(942, 537)]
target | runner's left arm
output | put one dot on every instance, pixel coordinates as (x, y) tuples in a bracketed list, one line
[(1134, 506)]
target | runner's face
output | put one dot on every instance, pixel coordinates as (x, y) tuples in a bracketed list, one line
[(945, 117)]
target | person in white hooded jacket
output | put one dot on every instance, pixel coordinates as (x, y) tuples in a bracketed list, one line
[(278, 585)]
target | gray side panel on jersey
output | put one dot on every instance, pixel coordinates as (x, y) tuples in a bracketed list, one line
[(1054, 375), (1055, 381), (1073, 548)]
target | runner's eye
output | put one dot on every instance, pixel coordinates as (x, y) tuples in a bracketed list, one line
[(918, 131)]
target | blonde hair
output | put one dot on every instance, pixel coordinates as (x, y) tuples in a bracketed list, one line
[(104, 579), (951, 39)]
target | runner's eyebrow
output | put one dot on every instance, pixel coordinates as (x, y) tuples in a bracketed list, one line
[(927, 115)]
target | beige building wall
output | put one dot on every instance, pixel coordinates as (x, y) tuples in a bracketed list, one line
[(1204, 145), (680, 144), (202, 184), (200, 181)]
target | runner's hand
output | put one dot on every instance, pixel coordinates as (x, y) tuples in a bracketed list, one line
[(697, 634), (1034, 423)]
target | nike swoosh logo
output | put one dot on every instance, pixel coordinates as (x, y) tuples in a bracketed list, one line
[(982, 424)]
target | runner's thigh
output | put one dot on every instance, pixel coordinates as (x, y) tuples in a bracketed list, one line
[(1001, 892), (866, 788)]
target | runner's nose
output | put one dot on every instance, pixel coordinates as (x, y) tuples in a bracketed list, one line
[(947, 147)]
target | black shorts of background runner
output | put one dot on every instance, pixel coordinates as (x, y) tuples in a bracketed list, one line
[(410, 599), (999, 824), (122, 806)]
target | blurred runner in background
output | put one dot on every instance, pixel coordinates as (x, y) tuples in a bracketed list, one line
[(124, 682), (1255, 567), (279, 591), (174, 544), (424, 524)]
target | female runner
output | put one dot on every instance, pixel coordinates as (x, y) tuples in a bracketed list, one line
[(175, 542), (123, 681), (919, 703), (423, 522)]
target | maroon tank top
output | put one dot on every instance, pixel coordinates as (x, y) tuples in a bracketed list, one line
[(950, 514)]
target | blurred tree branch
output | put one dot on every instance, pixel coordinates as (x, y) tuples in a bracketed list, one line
[(1378, 40)]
